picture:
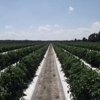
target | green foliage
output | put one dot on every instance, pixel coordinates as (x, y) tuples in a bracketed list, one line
[(14, 56), (84, 82), (12, 46), (86, 45), (94, 37), (92, 57), (15, 79)]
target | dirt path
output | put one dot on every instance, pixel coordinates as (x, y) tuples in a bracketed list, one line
[(48, 86)]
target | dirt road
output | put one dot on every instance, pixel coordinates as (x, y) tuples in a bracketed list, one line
[(48, 86)]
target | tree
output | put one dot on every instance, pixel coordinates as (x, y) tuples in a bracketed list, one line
[(84, 39), (92, 37), (98, 37)]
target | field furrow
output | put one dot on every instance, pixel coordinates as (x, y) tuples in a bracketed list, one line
[(48, 85)]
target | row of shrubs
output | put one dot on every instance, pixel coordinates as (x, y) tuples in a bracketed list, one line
[(91, 57), (13, 46), (14, 56), (87, 45), (84, 82), (15, 79)]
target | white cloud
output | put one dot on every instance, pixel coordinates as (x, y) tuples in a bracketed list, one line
[(49, 32), (56, 25), (44, 28), (84, 32), (31, 26), (11, 33), (71, 8), (8, 26), (96, 26), (48, 26), (68, 34)]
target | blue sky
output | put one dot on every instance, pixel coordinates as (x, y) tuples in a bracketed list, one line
[(48, 19)]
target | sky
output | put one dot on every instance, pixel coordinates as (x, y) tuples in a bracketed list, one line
[(48, 19)]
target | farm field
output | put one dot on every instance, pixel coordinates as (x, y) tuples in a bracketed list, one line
[(81, 81), (88, 45), (16, 78), (5, 47), (49, 50)]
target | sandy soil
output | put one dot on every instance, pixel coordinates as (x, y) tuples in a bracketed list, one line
[(48, 86)]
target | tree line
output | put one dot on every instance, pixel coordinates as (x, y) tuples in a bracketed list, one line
[(94, 37)]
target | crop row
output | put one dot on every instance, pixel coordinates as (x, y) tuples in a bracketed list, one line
[(14, 56), (84, 83), (91, 57), (87, 45), (13, 46), (15, 79)]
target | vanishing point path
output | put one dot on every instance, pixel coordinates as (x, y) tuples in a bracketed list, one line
[(49, 86)]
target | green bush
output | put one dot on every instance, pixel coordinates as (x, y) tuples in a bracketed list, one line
[(84, 82)]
